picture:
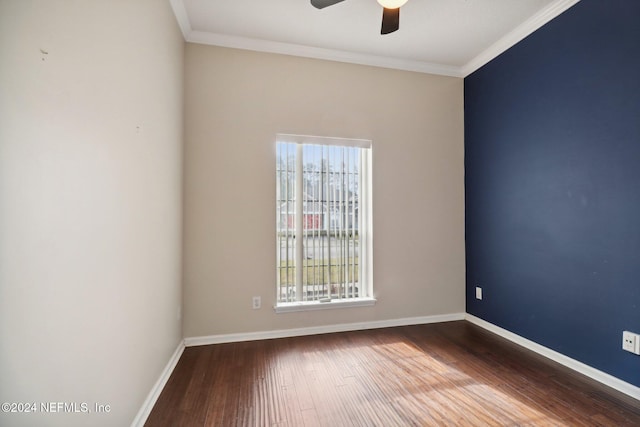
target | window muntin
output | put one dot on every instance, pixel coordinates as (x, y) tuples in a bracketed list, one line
[(323, 219)]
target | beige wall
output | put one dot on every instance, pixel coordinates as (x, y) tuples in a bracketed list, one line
[(90, 204), (235, 103)]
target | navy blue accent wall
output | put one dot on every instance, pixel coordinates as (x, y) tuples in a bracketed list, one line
[(552, 160)]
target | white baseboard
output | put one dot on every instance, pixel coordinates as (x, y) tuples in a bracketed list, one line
[(316, 330), (602, 377), (151, 399)]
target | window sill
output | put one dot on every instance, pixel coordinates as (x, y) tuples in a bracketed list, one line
[(288, 307)]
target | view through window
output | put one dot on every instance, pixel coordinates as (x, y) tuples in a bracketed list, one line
[(323, 218)]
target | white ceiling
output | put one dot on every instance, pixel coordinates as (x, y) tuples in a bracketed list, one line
[(450, 37)]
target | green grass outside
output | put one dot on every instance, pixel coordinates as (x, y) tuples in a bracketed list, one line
[(314, 273)]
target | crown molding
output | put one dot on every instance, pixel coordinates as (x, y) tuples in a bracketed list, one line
[(531, 25), (268, 46), (509, 40), (182, 17)]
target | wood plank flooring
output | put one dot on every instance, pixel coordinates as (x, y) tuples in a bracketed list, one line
[(446, 374)]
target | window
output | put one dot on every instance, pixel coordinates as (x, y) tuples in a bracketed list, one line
[(323, 215)]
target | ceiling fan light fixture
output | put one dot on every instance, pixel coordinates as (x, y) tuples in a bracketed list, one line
[(391, 4)]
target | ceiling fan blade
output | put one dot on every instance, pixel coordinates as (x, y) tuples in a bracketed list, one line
[(321, 4), (390, 20)]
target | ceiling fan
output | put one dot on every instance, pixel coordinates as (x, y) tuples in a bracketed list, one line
[(390, 13)]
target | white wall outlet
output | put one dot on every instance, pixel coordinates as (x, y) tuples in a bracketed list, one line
[(631, 342), (478, 292), (257, 302)]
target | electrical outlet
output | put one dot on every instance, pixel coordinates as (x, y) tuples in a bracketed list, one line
[(631, 342), (478, 292), (257, 302)]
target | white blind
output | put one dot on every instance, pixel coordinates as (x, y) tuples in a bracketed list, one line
[(320, 210)]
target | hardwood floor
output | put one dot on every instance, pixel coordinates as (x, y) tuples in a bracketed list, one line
[(449, 374)]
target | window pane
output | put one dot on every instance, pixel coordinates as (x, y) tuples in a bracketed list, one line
[(285, 217), (321, 183)]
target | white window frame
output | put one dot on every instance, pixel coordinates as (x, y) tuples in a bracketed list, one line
[(365, 226)]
